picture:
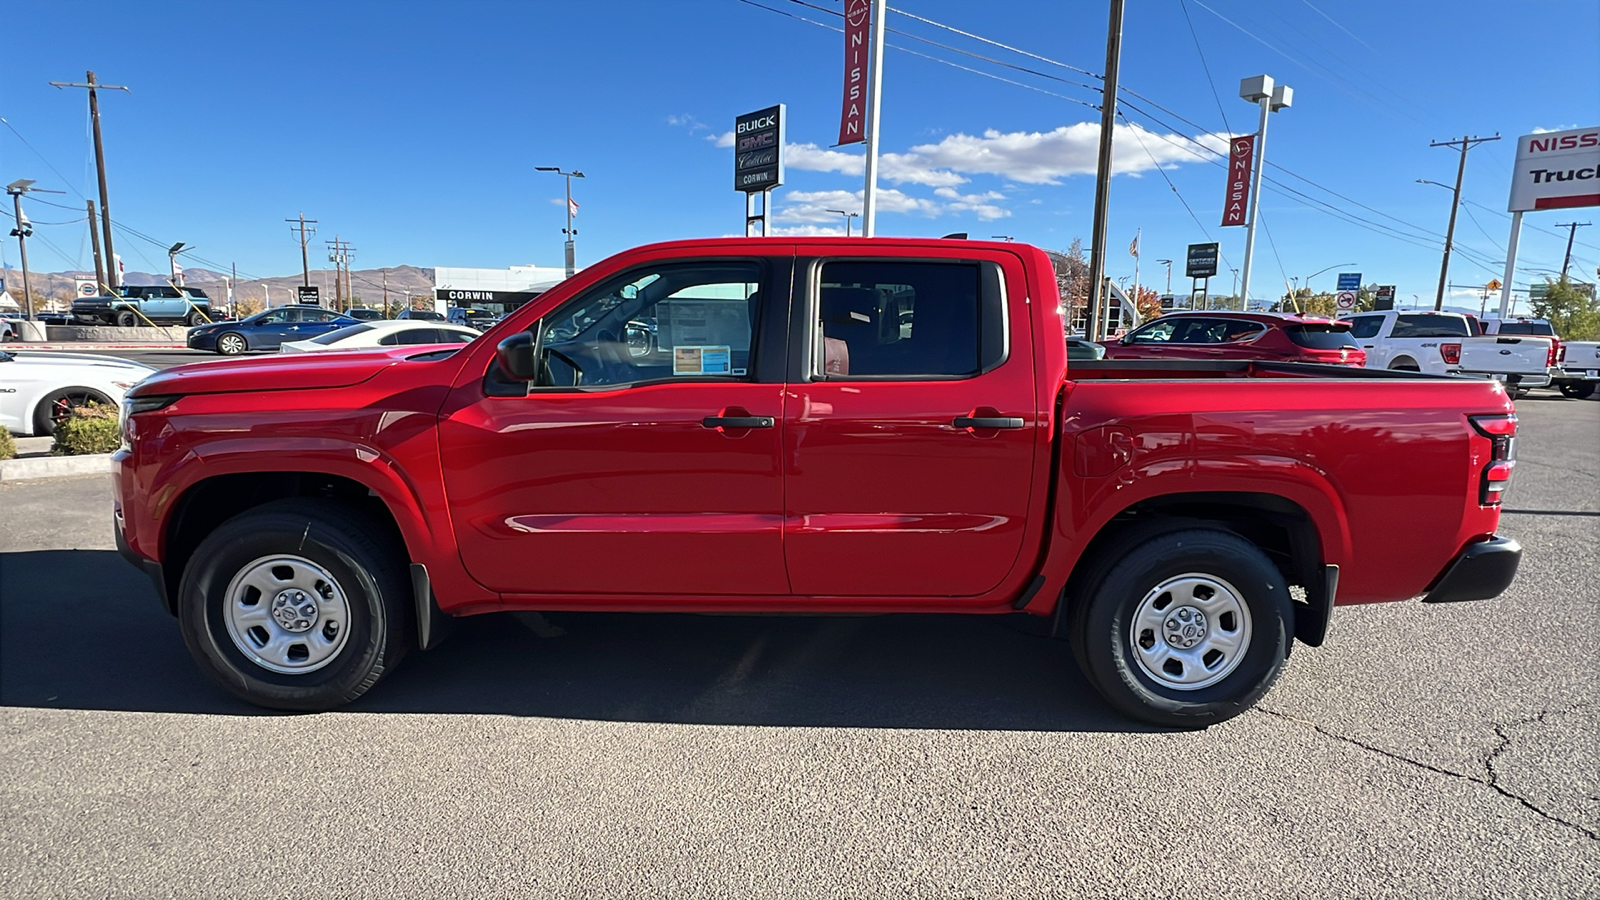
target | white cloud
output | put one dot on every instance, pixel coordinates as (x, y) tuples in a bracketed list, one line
[(1557, 128), (724, 139), (1034, 157)]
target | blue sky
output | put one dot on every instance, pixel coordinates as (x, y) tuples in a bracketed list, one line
[(411, 129)]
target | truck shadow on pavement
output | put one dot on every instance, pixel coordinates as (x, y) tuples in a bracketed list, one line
[(81, 629)]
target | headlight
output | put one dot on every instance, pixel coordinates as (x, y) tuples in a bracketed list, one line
[(132, 406)]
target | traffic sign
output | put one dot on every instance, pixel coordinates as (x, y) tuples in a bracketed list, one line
[(1346, 301), (1349, 281)]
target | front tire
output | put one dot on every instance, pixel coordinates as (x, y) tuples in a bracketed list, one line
[(297, 605), (127, 320), (231, 344), (1186, 629), (195, 319)]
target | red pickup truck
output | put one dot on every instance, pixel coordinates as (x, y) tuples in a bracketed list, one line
[(804, 426)]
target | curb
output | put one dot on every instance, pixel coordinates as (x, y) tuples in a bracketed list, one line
[(54, 467), (59, 345)]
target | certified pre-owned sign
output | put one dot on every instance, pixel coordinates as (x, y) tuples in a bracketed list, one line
[(758, 150), (1557, 170)]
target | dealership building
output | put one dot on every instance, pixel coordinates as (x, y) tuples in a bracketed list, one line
[(496, 291)]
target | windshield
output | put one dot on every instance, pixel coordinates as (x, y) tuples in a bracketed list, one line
[(339, 335)]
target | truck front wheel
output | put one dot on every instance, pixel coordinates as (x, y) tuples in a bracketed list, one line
[(1186, 629), (126, 319), (296, 604)]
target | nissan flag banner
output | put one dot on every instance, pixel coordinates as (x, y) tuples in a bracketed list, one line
[(1556, 170), (1241, 154), (852, 113)]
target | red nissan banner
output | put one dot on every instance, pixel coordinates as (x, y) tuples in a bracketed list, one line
[(853, 112), (1241, 154)]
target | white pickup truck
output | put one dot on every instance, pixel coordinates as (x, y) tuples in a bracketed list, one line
[(1577, 371), (1445, 343)]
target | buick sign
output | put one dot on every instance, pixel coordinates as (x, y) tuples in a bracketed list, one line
[(758, 150)]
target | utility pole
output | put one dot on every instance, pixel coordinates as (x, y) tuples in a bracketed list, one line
[(94, 241), (1466, 143), (1168, 264), (349, 288), (336, 253), (305, 264), (99, 158), (869, 196), (1102, 184), (1572, 232)]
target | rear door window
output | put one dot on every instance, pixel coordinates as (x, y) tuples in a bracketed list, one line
[(1364, 327), (1424, 325), (891, 319)]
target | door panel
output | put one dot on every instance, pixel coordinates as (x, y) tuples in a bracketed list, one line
[(886, 495), (633, 470)]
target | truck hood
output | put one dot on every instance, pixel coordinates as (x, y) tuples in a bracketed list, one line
[(279, 372)]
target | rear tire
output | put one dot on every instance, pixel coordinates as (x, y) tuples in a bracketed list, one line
[(1577, 390), (297, 604), (1185, 629), (231, 344), (56, 407)]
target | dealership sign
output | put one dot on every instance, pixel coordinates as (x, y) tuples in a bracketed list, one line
[(1202, 261), (308, 293), (1556, 170), (852, 111), (758, 150), (1241, 153)]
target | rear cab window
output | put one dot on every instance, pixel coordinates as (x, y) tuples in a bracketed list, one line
[(1529, 328), (907, 320)]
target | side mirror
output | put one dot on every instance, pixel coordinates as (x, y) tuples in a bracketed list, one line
[(518, 356), (1125, 339)]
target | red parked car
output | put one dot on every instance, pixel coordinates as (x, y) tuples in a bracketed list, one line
[(1236, 335)]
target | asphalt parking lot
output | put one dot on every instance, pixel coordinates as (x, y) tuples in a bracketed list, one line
[(1425, 751)]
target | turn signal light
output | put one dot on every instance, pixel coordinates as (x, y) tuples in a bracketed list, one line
[(1451, 354)]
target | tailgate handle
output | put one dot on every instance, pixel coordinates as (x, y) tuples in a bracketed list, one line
[(988, 422), (737, 421)]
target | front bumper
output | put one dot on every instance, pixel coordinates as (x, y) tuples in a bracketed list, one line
[(206, 341), (1483, 570), (149, 567)]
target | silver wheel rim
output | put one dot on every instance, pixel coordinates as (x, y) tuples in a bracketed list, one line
[(231, 344), (1190, 632), (286, 614)]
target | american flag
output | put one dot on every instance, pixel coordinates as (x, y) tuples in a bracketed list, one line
[(572, 207)]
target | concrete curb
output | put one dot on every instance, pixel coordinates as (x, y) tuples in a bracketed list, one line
[(54, 467), (61, 345)]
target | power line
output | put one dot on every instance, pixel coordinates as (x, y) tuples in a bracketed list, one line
[(1209, 80)]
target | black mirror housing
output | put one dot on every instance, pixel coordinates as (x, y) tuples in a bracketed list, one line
[(518, 357)]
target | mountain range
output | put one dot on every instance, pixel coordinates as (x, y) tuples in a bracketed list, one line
[(58, 288)]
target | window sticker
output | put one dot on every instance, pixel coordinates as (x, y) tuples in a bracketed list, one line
[(702, 360)]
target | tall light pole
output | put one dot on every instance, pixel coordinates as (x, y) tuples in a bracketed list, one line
[(1320, 271), (1168, 264), (172, 262), (1259, 89), (22, 232), (869, 196), (569, 231), (847, 217)]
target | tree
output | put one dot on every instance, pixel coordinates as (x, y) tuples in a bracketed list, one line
[(1072, 281), (1571, 309), (1148, 303)]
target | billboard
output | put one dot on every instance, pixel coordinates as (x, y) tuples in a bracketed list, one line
[(758, 150), (1556, 170), (1241, 155)]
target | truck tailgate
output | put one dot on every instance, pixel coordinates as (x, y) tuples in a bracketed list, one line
[(1522, 355)]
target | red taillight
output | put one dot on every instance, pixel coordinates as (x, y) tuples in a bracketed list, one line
[(1502, 434), (1551, 359), (1451, 353), (1561, 354)]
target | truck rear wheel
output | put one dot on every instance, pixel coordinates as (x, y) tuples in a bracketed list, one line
[(1185, 629), (1577, 390), (296, 604)]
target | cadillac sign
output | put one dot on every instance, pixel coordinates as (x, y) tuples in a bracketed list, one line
[(758, 150)]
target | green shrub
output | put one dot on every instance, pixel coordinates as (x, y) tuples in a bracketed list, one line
[(8, 445), (92, 428)]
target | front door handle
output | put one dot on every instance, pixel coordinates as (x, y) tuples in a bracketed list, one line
[(737, 421), (987, 422)]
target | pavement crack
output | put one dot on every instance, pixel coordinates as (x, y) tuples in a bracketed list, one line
[(1492, 781)]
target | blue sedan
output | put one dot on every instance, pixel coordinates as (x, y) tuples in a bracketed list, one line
[(266, 330)]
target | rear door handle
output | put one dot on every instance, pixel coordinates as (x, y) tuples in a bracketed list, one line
[(737, 421), (987, 422)]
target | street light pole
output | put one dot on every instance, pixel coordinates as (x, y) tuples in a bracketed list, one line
[(1168, 264), (847, 217), (16, 189), (1320, 271), (1259, 89), (569, 231)]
